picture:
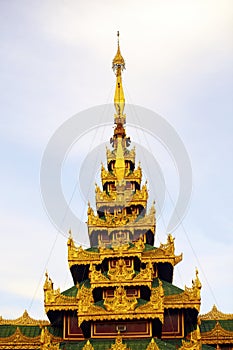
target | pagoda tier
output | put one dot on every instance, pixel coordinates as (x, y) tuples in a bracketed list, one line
[(121, 215), (123, 287), (162, 259)]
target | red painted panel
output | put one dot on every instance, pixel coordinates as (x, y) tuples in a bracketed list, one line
[(71, 328), (173, 325), (128, 329)]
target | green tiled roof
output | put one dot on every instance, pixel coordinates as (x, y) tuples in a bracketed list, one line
[(141, 302), (149, 247), (177, 343), (71, 292), (86, 283), (208, 325), (133, 344), (103, 345), (55, 331), (227, 325), (100, 303), (7, 331), (169, 288), (92, 250), (28, 331)]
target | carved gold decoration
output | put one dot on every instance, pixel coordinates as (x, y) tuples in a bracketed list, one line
[(88, 346), (194, 343), (152, 345), (169, 247), (77, 255), (121, 307), (119, 345), (120, 302), (165, 253), (46, 342), (145, 274), (121, 198), (97, 276), (217, 335), (85, 299), (136, 175), (121, 271), (139, 244), (54, 300), (24, 320), (111, 156), (122, 275), (121, 221), (190, 297), (156, 303), (215, 314), (107, 176)]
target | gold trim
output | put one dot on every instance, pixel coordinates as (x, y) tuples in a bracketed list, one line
[(24, 320), (54, 300), (119, 345), (152, 345), (124, 307), (129, 155), (217, 335), (165, 253), (215, 314), (194, 343), (88, 346), (191, 297), (48, 341)]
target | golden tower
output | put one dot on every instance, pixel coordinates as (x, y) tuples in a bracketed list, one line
[(123, 295), (123, 284)]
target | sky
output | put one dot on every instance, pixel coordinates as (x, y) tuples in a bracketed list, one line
[(55, 62)]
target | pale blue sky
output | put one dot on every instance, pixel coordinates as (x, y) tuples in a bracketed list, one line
[(55, 61)]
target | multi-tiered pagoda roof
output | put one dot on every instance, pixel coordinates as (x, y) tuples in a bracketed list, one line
[(123, 296)]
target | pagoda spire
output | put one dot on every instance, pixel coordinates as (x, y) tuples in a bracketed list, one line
[(118, 64)]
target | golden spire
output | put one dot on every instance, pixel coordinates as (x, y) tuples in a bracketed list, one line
[(118, 64), (120, 161)]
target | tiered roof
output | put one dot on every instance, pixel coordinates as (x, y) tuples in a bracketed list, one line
[(123, 277), (122, 280), (217, 327)]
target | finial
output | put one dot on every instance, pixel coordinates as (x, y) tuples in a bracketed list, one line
[(118, 64), (118, 61)]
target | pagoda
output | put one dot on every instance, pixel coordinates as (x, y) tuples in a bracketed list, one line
[(123, 296), (123, 284)]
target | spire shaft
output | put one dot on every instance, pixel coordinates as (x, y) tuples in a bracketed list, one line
[(118, 64)]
